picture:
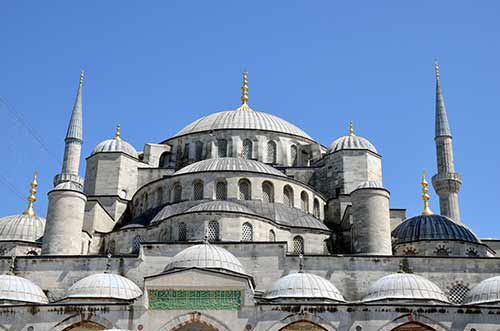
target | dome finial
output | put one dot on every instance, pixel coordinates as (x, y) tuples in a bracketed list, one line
[(425, 196), (118, 133), (301, 263), (32, 198), (244, 93), (351, 129), (82, 73)]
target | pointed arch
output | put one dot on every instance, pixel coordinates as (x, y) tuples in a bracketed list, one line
[(303, 317), (193, 318), (415, 318), (80, 318)]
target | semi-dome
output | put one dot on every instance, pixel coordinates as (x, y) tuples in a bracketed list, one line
[(487, 291), (220, 206), (242, 118), (117, 144), (432, 227), (229, 164), (22, 227), (106, 286), (20, 290), (206, 256), (303, 285), (403, 286)]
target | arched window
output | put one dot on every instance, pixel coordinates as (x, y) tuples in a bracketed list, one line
[(145, 201), (164, 160), (267, 192), (247, 149), (198, 190), (198, 150), (177, 192), (288, 196), (185, 156), (221, 191), (316, 208), (293, 155), (298, 245), (272, 236), (271, 152), (222, 147), (178, 156), (245, 190), (182, 232), (159, 196), (213, 231), (246, 232), (304, 201), (136, 244)]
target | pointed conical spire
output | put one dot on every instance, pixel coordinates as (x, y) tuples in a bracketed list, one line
[(30, 211), (425, 196), (75, 127), (442, 127)]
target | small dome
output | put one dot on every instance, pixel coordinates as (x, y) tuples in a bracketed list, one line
[(220, 206), (205, 256), (106, 286), (229, 164), (403, 286), (351, 142), (115, 145), (22, 290), (488, 291), (303, 285), (21, 227), (242, 119), (432, 227)]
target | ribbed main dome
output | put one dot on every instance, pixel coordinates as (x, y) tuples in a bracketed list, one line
[(488, 291), (432, 227), (205, 256), (220, 205), (303, 285), (18, 289), (351, 142), (115, 145), (229, 164), (103, 285), (404, 287), (243, 119), (22, 227)]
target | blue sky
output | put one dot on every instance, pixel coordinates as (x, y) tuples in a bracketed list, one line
[(155, 66)]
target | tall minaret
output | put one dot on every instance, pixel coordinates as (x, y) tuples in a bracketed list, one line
[(73, 143), (446, 182), (66, 207)]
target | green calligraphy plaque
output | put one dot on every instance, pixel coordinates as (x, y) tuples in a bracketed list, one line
[(194, 299)]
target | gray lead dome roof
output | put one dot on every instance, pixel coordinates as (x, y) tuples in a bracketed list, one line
[(403, 286), (220, 205), (18, 289), (487, 291), (22, 227), (351, 142), (104, 285), (303, 285), (115, 145), (229, 164), (243, 119)]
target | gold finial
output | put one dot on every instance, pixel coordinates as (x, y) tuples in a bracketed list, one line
[(81, 77), (351, 129), (30, 211), (425, 196), (118, 134), (436, 66), (244, 89)]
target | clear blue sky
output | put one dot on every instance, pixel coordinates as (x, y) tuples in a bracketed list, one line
[(155, 66)]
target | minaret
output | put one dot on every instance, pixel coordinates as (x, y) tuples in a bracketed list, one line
[(73, 143), (66, 207), (446, 182)]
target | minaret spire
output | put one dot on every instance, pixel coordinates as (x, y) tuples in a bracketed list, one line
[(75, 127), (446, 182), (32, 198)]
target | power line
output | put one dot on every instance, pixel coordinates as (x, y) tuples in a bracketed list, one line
[(11, 187)]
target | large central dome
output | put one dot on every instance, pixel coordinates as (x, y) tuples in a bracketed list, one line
[(246, 119)]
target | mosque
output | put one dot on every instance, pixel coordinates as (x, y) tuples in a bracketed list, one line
[(243, 222)]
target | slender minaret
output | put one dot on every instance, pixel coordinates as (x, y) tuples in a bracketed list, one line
[(66, 207), (446, 182), (73, 143)]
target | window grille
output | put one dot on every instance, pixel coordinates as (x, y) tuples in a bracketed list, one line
[(182, 231), (221, 191), (198, 191), (177, 193), (316, 208), (198, 150), (272, 236), (271, 152), (288, 196), (247, 149), (298, 245), (136, 245), (244, 187), (267, 192), (410, 251), (213, 231), (304, 202), (247, 232), (293, 155), (222, 147), (457, 293)]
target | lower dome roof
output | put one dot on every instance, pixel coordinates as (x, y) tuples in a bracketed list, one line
[(21, 290), (487, 291), (104, 285), (230, 164), (22, 228), (221, 206), (351, 142)]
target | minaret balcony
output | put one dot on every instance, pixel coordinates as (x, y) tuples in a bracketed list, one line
[(445, 183), (60, 178)]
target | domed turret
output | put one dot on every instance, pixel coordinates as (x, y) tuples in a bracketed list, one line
[(351, 141), (117, 144)]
